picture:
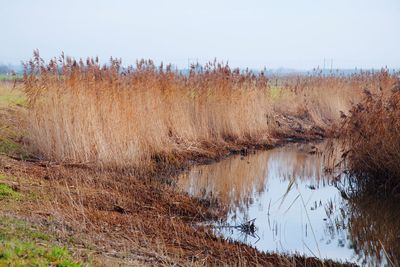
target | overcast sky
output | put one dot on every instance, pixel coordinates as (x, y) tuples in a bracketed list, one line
[(295, 34)]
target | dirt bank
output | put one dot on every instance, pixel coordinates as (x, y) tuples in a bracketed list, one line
[(121, 219)]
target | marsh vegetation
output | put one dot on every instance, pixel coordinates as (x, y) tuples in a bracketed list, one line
[(97, 144), (105, 115)]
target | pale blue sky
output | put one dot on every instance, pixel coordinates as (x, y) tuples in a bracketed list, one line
[(296, 34)]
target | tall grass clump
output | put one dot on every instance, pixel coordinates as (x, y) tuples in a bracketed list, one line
[(107, 115), (85, 112), (321, 99), (372, 134)]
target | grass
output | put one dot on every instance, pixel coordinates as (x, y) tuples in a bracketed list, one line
[(5, 77), (11, 192), (9, 146), (278, 92), (23, 245), (29, 254), (7, 192), (10, 96), (12, 100), (320, 99)]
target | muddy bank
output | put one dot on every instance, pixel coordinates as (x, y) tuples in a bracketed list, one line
[(123, 219)]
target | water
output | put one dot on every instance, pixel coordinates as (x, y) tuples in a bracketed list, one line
[(299, 205)]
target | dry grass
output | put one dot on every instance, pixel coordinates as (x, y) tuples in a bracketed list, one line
[(12, 100), (82, 112), (372, 133), (314, 104), (110, 117), (119, 219)]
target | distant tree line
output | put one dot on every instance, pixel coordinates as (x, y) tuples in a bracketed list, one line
[(5, 69), (10, 69)]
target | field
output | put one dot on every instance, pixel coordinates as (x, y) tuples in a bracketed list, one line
[(10, 78), (87, 150)]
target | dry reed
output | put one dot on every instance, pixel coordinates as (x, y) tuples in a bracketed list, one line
[(84, 112), (317, 102), (372, 133)]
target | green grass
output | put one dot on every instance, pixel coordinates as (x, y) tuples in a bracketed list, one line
[(21, 244), (30, 254), (12, 97), (11, 148), (5, 77), (8, 146), (278, 92), (6, 192)]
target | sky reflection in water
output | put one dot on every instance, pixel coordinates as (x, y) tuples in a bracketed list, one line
[(295, 200)]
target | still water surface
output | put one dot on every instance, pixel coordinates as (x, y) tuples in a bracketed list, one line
[(299, 205)]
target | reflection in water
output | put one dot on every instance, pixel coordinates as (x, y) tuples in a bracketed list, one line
[(237, 180), (243, 176), (299, 203), (374, 227)]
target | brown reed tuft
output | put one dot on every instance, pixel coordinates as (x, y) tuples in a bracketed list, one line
[(107, 115), (372, 133)]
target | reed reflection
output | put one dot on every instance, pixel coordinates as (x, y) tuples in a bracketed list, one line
[(236, 181), (372, 225), (233, 182), (297, 199)]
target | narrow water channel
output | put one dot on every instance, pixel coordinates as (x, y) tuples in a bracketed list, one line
[(298, 205)]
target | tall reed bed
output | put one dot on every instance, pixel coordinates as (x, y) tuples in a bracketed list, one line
[(372, 133), (323, 98), (83, 112), (107, 115)]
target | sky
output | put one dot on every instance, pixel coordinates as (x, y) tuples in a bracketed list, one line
[(295, 34)]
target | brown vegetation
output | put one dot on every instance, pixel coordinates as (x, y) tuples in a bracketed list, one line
[(82, 112), (131, 118), (372, 134), (118, 218)]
